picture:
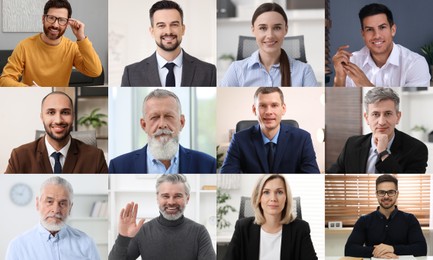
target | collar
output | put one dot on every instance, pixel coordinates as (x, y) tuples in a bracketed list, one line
[(254, 61), (170, 223), (391, 216), (48, 237), (373, 145), (392, 59), (63, 151), (267, 140), (178, 60), (173, 161)]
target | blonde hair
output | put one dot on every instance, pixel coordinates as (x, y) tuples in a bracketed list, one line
[(287, 214)]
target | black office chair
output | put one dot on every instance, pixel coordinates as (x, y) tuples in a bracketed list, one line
[(245, 124), (4, 55), (293, 45), (246, 209), (80, 80), (87, 137)]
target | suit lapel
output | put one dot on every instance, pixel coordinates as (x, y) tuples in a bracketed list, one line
[(188, 70), (362, 153), (42, 157), (286, 243), (184, 160), (140, 162), (282, 146), (254, 242), (257, 140), (396, 144), (152, 71), (71, 158)]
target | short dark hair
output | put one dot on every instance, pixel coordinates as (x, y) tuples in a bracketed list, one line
[(58, 4), (386, 178), (268, 90), (164, 4), (60, 93), (373, 9)]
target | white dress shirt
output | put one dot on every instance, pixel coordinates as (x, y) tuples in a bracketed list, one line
[(177, 70), (63, 151)]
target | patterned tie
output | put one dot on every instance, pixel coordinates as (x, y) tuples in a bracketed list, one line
[(170, 80), (271, 155), (57, 165)]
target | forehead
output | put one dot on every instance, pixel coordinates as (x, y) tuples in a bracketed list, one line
[(55, 191), (388, 185), (269, 18), (171, 188), (59, 12), (165, 104), (375, 20), (58, 101), (274, 184), (271, 97), (166, 16), (383, 105)]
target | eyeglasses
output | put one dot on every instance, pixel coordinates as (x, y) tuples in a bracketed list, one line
[(391, 193), (53, 19)]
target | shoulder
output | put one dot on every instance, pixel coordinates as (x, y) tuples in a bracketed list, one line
[(189, 58), (294, 130), (26, 237), (86, 148), (407, 54), (407, 216), (299, 66), (298, 225), (245, 223), (32, 146), (76, 234), (358, 139), (142, 63), (129, 156), (196, 154), (409, 140)]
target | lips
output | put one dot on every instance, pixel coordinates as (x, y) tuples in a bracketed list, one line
[(168, 37), (59, 128), (270, 43)]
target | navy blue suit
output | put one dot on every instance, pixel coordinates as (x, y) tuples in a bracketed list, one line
[(190, 161), (294, 152)]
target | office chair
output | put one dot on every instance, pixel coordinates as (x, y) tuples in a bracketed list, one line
[(293, 45), (245, 124), (80, 80), (87, 137), (246, 209), (4, 55)]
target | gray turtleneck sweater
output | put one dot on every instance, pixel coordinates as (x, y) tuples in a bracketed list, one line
[(163, 239)]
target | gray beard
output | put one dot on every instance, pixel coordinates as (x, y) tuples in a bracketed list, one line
[(165, 149)]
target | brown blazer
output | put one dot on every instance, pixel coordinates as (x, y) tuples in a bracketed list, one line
[(33, 158)]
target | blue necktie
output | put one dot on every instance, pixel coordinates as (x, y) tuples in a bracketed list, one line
[(170, 80), (271, 155), (57, 165)]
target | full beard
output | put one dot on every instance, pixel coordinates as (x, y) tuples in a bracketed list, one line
[(166, 147), (48, 34), (54, 226), (170, 47), (58, 138), (172, 217)]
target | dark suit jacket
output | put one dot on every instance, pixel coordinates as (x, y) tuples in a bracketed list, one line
[(408, 155), (294, 152), (296, 242), (190, 161), (194, 73), (33, 158)]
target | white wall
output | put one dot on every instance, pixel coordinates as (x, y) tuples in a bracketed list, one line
[(20, 113), (307, 186), (15, 220), (305, 105), (130, 40)]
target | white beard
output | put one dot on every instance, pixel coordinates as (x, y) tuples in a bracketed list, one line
[(53, 227), (166, 147)]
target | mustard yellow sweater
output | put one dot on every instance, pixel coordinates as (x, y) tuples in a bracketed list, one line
[(48, 65)]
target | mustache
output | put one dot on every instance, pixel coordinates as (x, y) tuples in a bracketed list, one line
[(57, 215), (163, 132)]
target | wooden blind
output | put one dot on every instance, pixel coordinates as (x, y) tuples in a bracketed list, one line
[(347, 197)]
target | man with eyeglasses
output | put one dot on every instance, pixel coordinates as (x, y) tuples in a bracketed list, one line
[(47, 58), (386, 232)]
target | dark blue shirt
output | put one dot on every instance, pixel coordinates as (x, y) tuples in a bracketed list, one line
[(402, 231)]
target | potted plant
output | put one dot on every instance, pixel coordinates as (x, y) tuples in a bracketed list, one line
[(418, 132), (224, 61), (222, 209), (428, 53), (94, 119)]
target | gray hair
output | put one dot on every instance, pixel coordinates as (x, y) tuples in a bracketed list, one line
[(378, 94), (161, 93), (58, 181), (173, 179)]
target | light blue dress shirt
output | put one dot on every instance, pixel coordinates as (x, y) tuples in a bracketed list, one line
[(155, 166), (274, 139), (250, 72), (372, 155), (38, 244)]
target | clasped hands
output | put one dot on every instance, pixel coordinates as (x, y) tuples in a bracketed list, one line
[(128, 226), (343, 67), (384, 251)]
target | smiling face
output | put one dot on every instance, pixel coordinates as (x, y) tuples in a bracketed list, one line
[(378, 35), (172, 200), (269, 29), (167, 29), (273, 197), (57, 117), (54, 207), (382, 117), (387, 202), (269, 110), (53, 31)]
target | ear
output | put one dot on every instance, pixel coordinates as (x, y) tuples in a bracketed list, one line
[(393, 30), (70, 209), (284, 109), (182, 121), (143, 124), (183, 29), (254, 109), (398, 117), (252, 29), (366, 118), (151, 30), (187, 199), (37, 203)]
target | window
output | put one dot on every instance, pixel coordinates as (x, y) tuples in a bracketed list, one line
[(347, 197)]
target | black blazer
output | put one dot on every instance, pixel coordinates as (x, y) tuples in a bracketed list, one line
[(296, 242), (408, 155), (195, 73)]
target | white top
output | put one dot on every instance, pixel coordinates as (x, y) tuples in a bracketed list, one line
[(403, 68), (63, 151), (177, 70), (270, 245)]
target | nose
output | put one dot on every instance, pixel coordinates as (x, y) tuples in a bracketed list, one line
[(381, 120), (273, 197), (58, 118), (55, 208), (170, 201), (162, 123)]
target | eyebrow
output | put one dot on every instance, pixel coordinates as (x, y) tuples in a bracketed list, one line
[(369, 27), (263, 24)]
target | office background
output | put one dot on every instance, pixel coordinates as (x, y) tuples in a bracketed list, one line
[(412, 19), (96, 27), (130, 39)]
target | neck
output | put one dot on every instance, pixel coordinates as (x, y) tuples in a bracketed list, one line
[(58, 145), (272, 224), (386, 212), (381, 59), (48, 41), (269, 59), (270, 133), (166, 163), (169, 55)]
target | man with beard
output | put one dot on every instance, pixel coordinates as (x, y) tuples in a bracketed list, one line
[(170, 65), (57, 151), (386, 232), (169, 236), (46, 59), (162, 121), (52, 238)]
